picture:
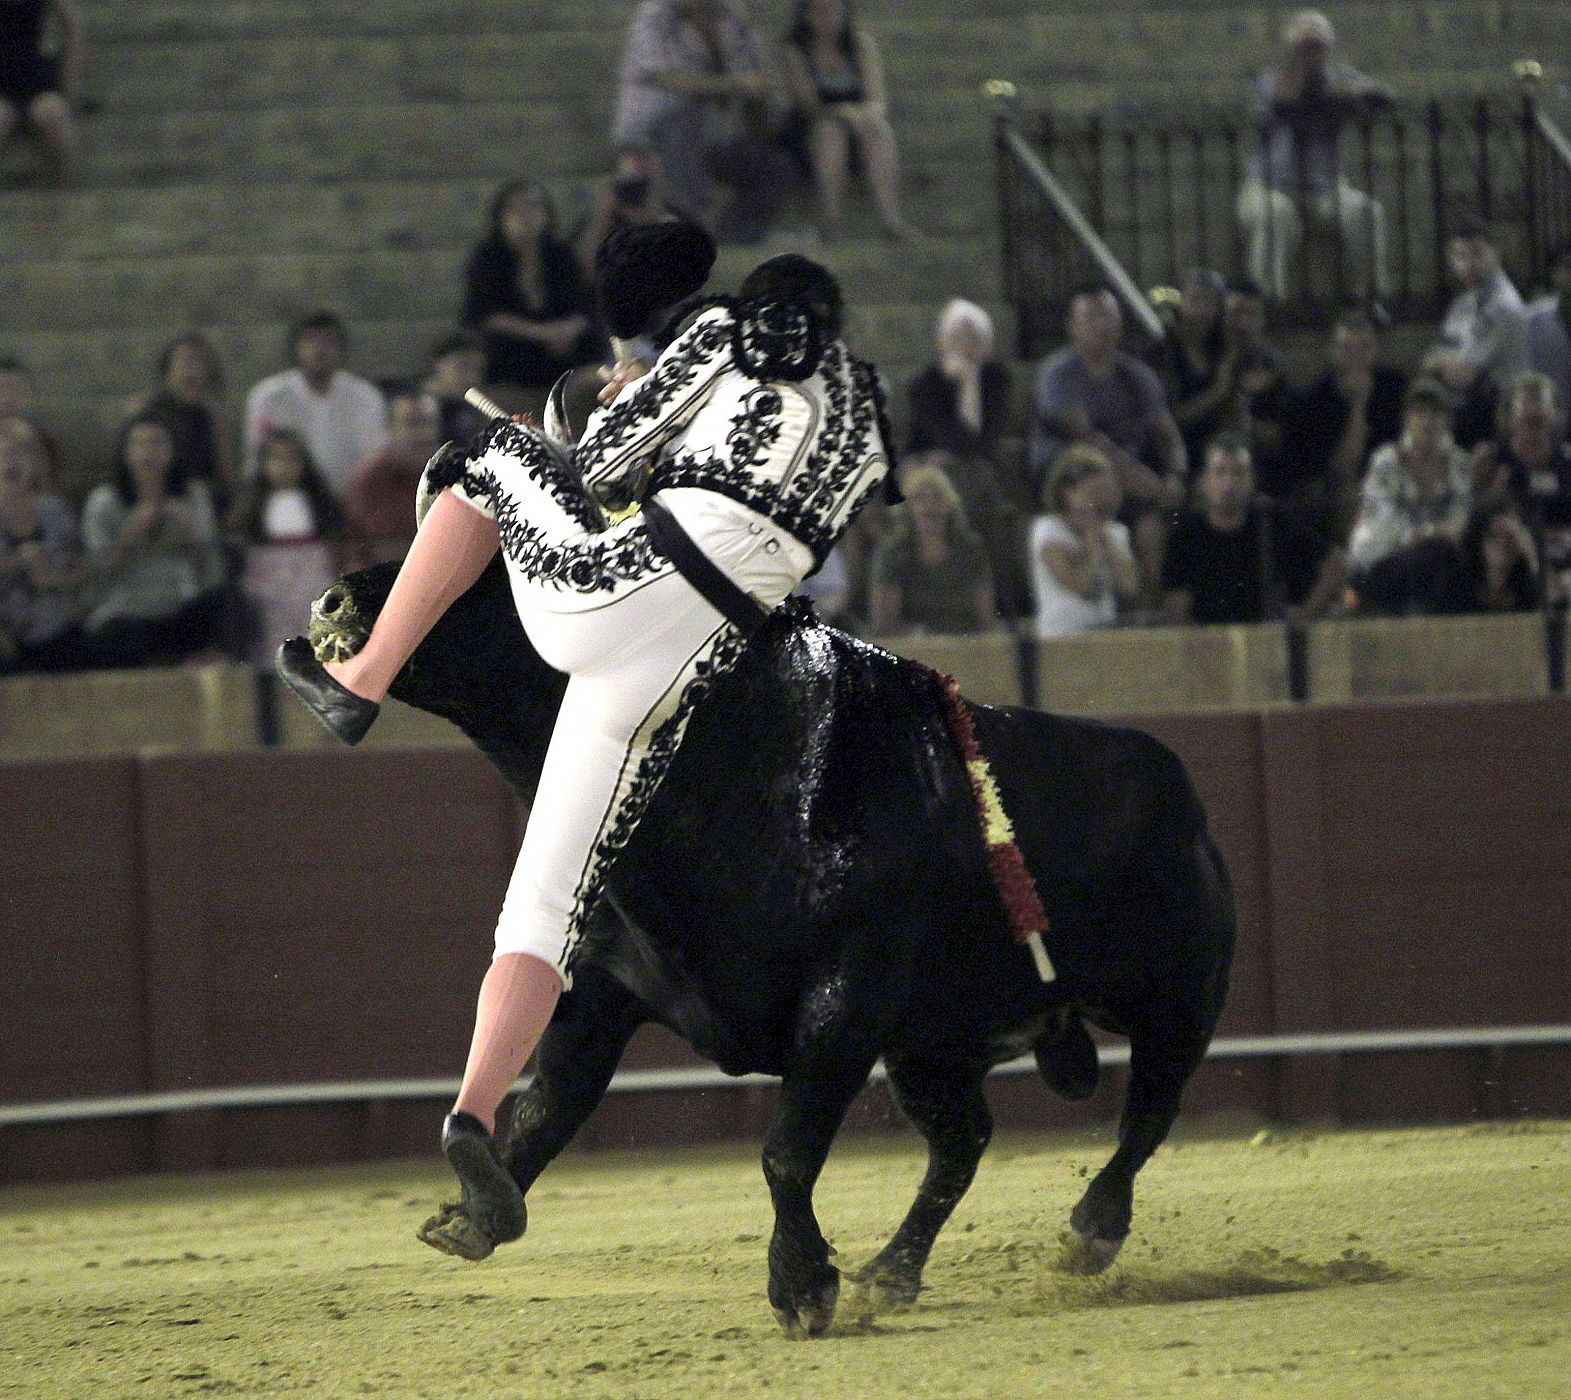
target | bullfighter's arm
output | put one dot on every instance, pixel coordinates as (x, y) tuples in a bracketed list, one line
[(659, 406)]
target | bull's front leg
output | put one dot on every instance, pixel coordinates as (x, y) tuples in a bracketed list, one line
[(803, 1285), (577, 1056)]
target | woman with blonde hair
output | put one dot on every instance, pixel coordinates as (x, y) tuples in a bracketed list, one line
[(1082, 566), (930, 573)]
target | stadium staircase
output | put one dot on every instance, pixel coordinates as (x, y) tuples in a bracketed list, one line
[(250, 159)]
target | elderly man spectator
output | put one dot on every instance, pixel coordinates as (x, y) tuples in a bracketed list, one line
[(35, 88), (1301, 107), (1091, 392), (380, 499), (1531, 461), (1549, 327), (1483, 340), (341, 417), (1237, 557), (692, 85)]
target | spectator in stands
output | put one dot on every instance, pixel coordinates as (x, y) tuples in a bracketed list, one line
[(526, 297), (1418, 488), (1549, 327), (1483, 340), (829, 588), (153, 548), (960, 402), (1333, 426), (341, 416), (457, 366), (835, 74), (1091, 392), (692, 85), (380, 501), (36, 88), (1300, 108), (41, 570), (1531, 461), (291, 529), (190, 383), (1081, 561), (16, 401), (930, 572), (1262, 382), (1496, 568), (1197, 365), (634, 194), (1237, 557)]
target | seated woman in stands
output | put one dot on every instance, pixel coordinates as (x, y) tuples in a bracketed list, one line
[(157, 589), (930, 572), (836, 78), (960, 402), (1414, 501), (1082, 564), (187, 397), (526, 297), (40, 564), (291, 530)]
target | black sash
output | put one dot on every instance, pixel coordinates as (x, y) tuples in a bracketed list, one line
[(698, 569)]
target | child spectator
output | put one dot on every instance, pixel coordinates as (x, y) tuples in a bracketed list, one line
[(1082, 564), (525, 296), (16, 399), (835, 74), (35, 89), (930, 572), (340, 416), (457, 366), (1236, 558), (380, 502), (40, 568), (291, 529), (190, 383), (152, 544), (1418, 488)]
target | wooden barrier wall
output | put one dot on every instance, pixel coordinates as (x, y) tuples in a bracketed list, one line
[(194, 920)]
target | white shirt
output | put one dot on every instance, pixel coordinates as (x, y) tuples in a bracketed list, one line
[(342, 427), (1060, 610)]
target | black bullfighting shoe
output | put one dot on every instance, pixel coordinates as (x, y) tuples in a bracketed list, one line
[(492, 1210), (345, 713)]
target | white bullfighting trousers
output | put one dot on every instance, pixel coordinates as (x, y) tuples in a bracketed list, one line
[(641, 648)]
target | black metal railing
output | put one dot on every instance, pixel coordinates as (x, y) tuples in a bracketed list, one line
[(1163, 189)]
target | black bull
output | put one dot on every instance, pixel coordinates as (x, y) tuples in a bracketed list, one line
[(809, 891)]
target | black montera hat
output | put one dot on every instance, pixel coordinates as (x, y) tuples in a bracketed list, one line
[(642, 269)]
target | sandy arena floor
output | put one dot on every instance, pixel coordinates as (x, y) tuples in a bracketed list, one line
[(1422, 1263)]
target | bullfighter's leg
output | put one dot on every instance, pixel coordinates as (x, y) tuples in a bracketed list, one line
[(1163, 1053), (803, 1285), (944, 1100)]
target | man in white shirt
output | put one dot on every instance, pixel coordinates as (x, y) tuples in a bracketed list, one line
[(342, 417)]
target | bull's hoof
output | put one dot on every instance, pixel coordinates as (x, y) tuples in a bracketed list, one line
[(1085, 1254), (337, 631), (453, 1232), (810, 1314), (491, 1198)]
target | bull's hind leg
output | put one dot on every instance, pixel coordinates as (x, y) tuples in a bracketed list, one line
[(945, 1102), (1161, 1059), (803, 1285)]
